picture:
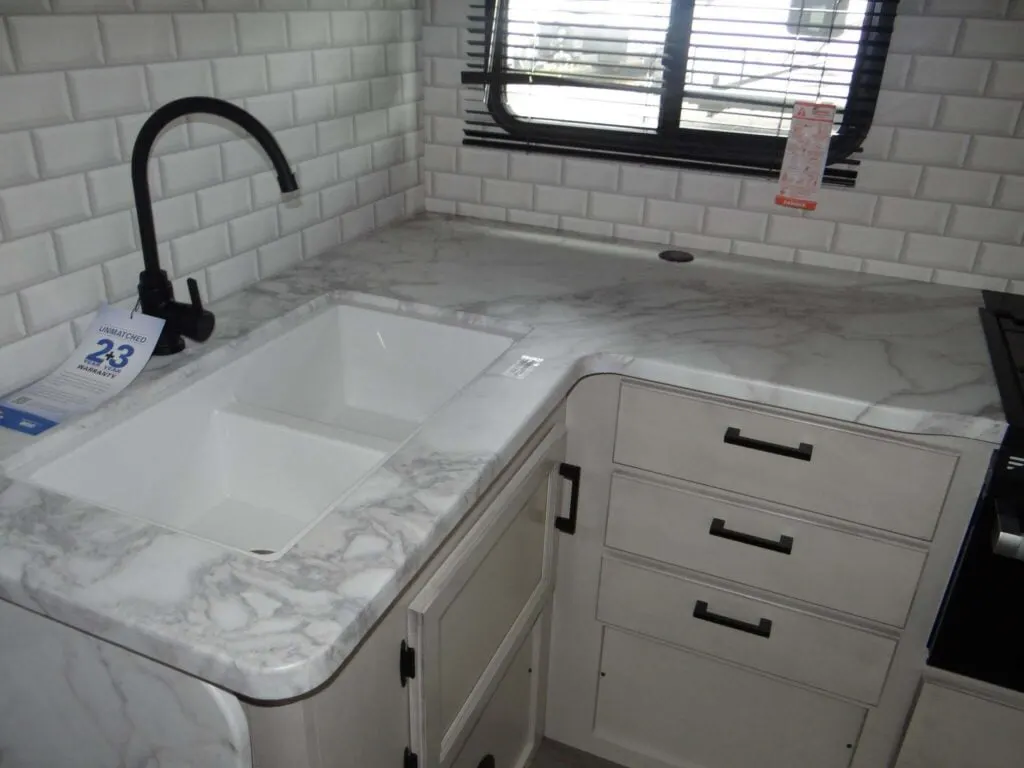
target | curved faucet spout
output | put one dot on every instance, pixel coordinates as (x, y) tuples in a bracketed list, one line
[(156, 295)]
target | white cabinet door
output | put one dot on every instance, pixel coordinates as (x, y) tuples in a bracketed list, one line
[(468, 620), (953, 729)]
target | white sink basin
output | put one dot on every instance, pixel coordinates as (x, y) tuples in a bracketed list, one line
[(252, 456)]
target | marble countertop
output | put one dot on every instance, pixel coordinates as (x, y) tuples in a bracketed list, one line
[(877, 351)]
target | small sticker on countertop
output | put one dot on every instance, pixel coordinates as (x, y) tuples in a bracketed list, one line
[(803, 166), (524, 367), (113, 352)]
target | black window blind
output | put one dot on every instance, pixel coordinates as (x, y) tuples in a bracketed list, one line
[(707, 84)]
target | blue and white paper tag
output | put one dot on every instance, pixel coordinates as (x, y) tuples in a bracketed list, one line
[(113, 352)]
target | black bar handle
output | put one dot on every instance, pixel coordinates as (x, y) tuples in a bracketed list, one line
[(783, 545), (572, 473), (763, 628), (803, 452)]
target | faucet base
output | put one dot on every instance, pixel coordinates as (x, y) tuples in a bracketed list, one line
[(169, 344)]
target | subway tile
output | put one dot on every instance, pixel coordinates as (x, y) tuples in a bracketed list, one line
[(110, 189), (175, 216), (701, 242), (763, 251), (973, 8), (898, 270), (1011, 193), (198, 249), (588, 174), (460, 188), (314, 104), (339, 199), (357, 223), (320, 238), (642, 234), (940, 252), (205, 35), (352, 98), (987, 224), (1001, 260), (963, 280), (710, 189), (266, 191), (55, 42), (742, 225), (67, 149), (354, 162), (402, 57), (253, 230), (903, 109), (977, 115), (12, 325), (929, 147), (532, 219), (168, 5), (177, 80), (912, 215), (441, 41), (923, 34), (369, 61), (674, 217), (31, 358), (188, 171), (759, 195), (649, 182), (844, 205), (332, 66), (290, 70), (878, 143), (33, 100), (17, 159), (27, 261), (137, 38), (568, 202), (617, 208), (508, 194), (62, 299), (278, 256), (262, 32), (956, 186), (829, 260), (447, 73), (392, 209), (404, 176), (172, 139), (6, 56), (403, 118), (991, 153), (371, 126), (994, 39), (474, 211), (232, 275), (483, 162), (108, 92), (94, 241), (316, 173), (869, 242), (948, 74), (1007, 80), (387, 152), (223, 202), (800, 233), (240, 76), (896, 72), (587, 227), (349, 28), (43, 205), (309, 30)]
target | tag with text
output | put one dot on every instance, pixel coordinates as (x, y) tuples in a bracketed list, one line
[(803, 166)]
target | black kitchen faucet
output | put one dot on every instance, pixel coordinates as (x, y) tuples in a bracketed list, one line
[(156, 294)]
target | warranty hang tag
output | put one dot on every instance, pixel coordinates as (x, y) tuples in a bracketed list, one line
[(803, 165), (113, 352)]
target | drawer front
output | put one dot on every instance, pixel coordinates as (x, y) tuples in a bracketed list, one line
[(685, 709), (768, 637), (887, 485), (505, 731), (677, 524)]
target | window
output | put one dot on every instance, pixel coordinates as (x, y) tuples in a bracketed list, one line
[(706, 84)]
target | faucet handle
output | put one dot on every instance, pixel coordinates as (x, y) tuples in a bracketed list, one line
[(193, 294), (195, 322)]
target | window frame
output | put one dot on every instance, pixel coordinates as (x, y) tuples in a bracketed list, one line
[(672, 144)]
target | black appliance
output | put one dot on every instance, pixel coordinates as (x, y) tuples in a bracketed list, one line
[(980, 630)]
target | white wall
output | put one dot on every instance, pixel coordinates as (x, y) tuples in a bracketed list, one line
[(340, 87), (940, 194)]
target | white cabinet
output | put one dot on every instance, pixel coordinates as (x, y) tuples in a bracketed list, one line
[(956, 729)]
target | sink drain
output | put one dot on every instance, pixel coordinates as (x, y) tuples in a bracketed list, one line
[(677, 257), (262, 551)]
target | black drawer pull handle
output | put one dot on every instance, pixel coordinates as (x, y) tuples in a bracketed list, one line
[(572, 473), (803, 453), (783, 545), (763, 628)]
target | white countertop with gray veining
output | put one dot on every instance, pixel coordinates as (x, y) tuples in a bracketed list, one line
[(893, 354)]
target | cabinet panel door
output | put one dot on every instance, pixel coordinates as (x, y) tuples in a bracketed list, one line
[(474, 612), (687, 710), (952, 729)]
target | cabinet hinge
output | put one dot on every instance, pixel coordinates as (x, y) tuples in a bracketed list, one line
[(407, 663), (411, 760)]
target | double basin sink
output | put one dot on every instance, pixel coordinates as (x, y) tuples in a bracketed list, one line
[(252, 456)]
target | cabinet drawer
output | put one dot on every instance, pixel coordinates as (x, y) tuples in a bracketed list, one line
[(467, 620), (876, 482), (676, 524), (768, 637), (685, 709)]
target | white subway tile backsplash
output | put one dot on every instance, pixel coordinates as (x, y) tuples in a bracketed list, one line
[(278, 256), (742, 225), (27, 262), (297, 213), (956, 186), (1007, 80), (177, 80), (317, 173), (940, 252), (532, 219), (869, 242), (929, 147), (710, 189), (67, 149), (589, 227), (357, 223), (542, 169), (12, 326), (43, 205), (649, 182), (33, 357), (240, 76), (829, 260), (188, 171), (290, 70), (912, 215), (354, 162), (1001, 260), (508, 194), (1011, 193), (762, 251), (321, 237), (137, 38), (61, 299), (701, 242), (483, 162), (843, 205), (369, 61), (17, 159), (371, 126), (223, 202), (800, 233), (339, 199), (993, 39), (997, 117), (460, 188), (175, 217), (55, 42), (349, 28), (110, 189), (474, 211), (205, 35), (198, 249), (232, 275), (923, 34), (33, 100), (333, 135), (987, 224), (990, 153), (913, 110), (617, 208), (962, 280), (568, 202), (332, 65), (314, 104), (947, 74), (674, 217), (262, 32), (309, 30), (108, 92), (6, 55), (95, 241), (589, 174), (253, 230)]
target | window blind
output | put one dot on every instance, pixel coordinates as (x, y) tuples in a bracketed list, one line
[(707, 84)]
